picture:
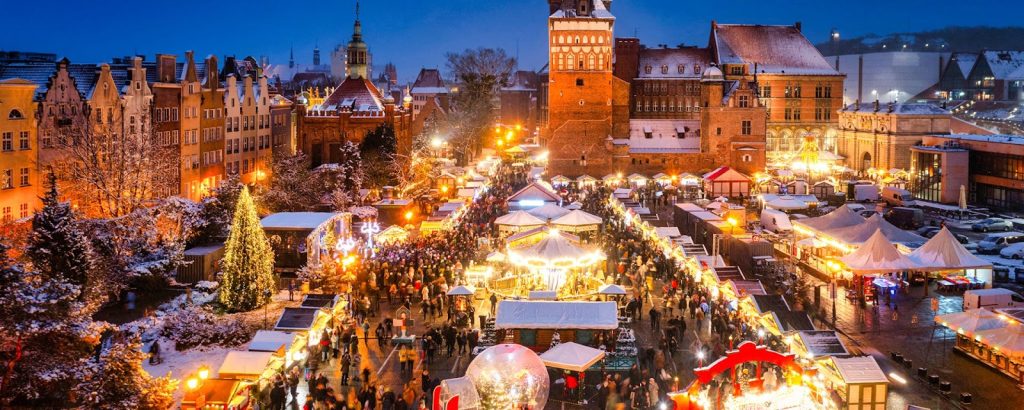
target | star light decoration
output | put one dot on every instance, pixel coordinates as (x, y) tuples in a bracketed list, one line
[(369, 229)]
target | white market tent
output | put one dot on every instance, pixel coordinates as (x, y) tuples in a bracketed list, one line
[(578, 221), (518, 221), (611, 289), (574, 206), (560, 180), (495, 257), (461, 291), (523, 314), (944, 252), (272, 341), (858, 234), (1009, 340), (972, 321), (667, 232), (572, 356), (586, 180), (840, 218), (548, 211), (637, 179), (244, 365), (787, 203), (878, 255)]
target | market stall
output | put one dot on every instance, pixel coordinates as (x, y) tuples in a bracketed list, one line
[(859, 382), (247, 365), (391, 235), (549, 212), (534, 323), (518, 221), (577, 221), (944, 254)]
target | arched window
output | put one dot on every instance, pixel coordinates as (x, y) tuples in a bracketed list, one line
[(747, 158), (561, 39), (664, 69), (593, 40), (577, 39), (590, 62), (581, 61), (571, 61), (647, 69), (561, 61), (600, 61), (15, 115)]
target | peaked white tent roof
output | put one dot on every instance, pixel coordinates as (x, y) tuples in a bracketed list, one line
[(560, 179), (271, 341), (243, 364), (858, 234), (840, 218), (578, 218), (878, 255), (586, 178), (548, 211), (944, 252), (519, 219), (534, 191), (460, 291), (572, 356), (611, 289), (971, 321)]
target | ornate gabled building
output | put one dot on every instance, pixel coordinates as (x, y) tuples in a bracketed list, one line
[(19, 177), (212, 125), (350, 110)]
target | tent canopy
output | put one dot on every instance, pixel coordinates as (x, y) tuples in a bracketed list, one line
[(461, 291), (555, 250), (271, 341), (518, 219), (1009, 340), (878, 255), (548, 211), (858, 234), (840, 218), (944, 252), (971, 321), (524, 314), (572, 356), (611, 289), (578, 218)]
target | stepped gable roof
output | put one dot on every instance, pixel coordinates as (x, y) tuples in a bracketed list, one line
[(356, 93), (775, 49), (692, 59)]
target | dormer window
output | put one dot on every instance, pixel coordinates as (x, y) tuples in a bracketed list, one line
[(647, 69), (648, 133), (664, 69), (681, 69), (696, 69)]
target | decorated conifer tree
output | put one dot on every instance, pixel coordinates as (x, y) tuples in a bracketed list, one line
[(119, 382), (248, 264)]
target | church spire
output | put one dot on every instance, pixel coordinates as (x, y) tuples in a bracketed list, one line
[(291, 58), (358, 51)]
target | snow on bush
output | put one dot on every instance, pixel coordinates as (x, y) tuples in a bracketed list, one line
[(200, 326), (364, 212)]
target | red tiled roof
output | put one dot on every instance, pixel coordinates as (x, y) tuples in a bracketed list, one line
[(356, 93)]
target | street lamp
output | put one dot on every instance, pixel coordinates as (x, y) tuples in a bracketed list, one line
[(204, 372)]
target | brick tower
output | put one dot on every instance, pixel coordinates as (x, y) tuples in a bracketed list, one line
[(580, 39)]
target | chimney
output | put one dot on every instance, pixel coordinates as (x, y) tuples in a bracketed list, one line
[(876, 105), (891, 107), (799, 26)]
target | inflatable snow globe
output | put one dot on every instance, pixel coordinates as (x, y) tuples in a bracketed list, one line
[(509, 376)]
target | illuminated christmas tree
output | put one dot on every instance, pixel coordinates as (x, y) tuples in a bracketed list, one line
[(248, 264)]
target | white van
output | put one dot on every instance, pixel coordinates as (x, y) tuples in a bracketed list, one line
[(994, 298), (775, 221), (995, 242), (897, 196)]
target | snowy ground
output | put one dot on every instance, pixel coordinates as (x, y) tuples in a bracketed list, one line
[(181, 364)]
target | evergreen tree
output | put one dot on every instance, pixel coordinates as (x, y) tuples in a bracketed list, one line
[(120, 382), (378, 152), (59, 250), (248, 264), (350, 171)]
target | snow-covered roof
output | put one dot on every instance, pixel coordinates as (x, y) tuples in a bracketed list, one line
[(965, 61), (357, 94), (860, 369), (244, 364), (519, 218), (271, 341), (898, 109), (1000, 139), (578, 218), (203, 250), (862, 232), (664, 136), (597, 10), (686, 62), (534, 191), (429, 81), (296, 220), (1004, 63), (523, 314), (775, 49)]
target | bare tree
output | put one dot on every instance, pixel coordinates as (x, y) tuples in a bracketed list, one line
[(480, 73), (112, 171)]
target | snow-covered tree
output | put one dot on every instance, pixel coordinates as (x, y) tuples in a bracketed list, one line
[(293, 186), (379, 154), (217, 211), (350, 170), (119, 382), (248, 264), (59, 250)]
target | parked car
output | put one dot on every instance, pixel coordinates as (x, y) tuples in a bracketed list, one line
[(992, 224), (966, 242), (1014, 251), (905, 218), (995, 242), (867, 214), (924, 230)]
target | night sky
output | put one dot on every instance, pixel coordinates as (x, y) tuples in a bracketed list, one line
[(417, 33)]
